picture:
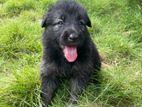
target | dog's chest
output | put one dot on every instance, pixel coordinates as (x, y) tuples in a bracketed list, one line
[(65, 70), (70, 69)]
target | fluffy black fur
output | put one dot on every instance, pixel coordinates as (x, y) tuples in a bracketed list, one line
[(63, 19)]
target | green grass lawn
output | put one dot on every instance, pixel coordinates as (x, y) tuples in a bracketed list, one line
[(117, 31)]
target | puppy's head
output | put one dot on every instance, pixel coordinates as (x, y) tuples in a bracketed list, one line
[(66, 23)]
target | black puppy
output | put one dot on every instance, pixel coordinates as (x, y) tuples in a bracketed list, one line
[(68, 50)]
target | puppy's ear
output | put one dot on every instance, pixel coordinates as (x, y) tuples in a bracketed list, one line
[(46, 17), (87, 20), (44, 22)]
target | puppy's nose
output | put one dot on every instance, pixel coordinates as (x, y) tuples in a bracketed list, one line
[(73, 37)]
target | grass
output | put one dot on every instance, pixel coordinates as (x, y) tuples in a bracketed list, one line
[(117, 31)]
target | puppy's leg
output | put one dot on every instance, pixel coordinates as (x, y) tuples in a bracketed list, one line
[(48, 87), (48, 82), (78, 83)]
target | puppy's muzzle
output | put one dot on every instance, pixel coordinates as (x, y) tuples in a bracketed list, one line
[(70, 36)]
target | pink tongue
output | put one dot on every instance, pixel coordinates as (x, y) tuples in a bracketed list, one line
[(70, 53)]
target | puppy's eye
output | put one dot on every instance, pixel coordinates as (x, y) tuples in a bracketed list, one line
[(81, 22), (60, 22)]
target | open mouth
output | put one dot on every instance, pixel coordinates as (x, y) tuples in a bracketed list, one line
[(70, 53)]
